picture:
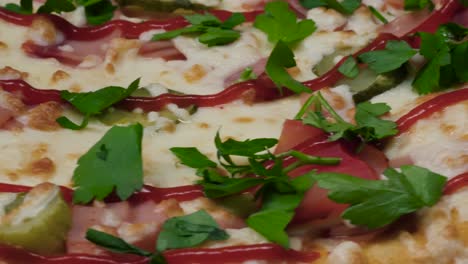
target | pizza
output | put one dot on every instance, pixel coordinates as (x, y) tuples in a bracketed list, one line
[(233, 131)]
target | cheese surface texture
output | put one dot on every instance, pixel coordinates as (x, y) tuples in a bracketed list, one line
[(41, 151)]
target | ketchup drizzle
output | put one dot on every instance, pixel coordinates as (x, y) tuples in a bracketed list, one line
[(456, 183), (259, 90), (428, 108), (128, 29), (181, 193), (234, 254)]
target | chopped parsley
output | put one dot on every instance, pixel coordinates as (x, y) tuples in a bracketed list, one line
[(280, 194), (189, 231), (283, 28), (210, 30), (177, 232), (346, 7), (395, 54), (114, 163), (94, 103), (446, 52), (97, 11), (281, 58), (369, 127), (281, 24), (376, 203)]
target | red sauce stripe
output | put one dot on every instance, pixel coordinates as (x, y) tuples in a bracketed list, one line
[(259, 90), (181, 193), (456, 183), (128, 29), (431, 106), (234, 254)]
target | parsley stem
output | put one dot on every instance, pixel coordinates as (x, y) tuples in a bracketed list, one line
[(312, 99), (330, 109), (304, 159)]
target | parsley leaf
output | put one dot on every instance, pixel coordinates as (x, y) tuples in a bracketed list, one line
[(97, 11), (114, 244), (349, 68), (278, 210), (376, 203), (280, 194), (189, 231), (445, 52), (212, 32), (369, 127), (418, 4), (25, 7), (280, 58), (280, 24), (395, 54), (56, 6), (93, 103), (113, 163), (345, 7), (177, 232), (192, 157)]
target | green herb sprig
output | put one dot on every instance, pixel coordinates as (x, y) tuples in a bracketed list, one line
[(114, 163), (177, 232), (280, 194), (282, 27), (377, 203), (210, 30), (369, 127), (446, 52), (94, 103)]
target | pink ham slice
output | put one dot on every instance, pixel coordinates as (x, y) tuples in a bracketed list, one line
[(78, 50), (74, 52), (161, 49)]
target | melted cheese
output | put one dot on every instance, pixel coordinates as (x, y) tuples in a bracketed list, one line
[(439, 143), (433, 143)]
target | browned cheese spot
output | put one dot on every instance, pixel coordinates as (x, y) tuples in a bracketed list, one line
[(12, 73), (59, 76), (244, 119), (45, 28), (195, 73), (203, 125), (3, 45), (110, 68), (43, 116), (76, 88)]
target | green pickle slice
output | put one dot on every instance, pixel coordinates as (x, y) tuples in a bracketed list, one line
[(38, 222)]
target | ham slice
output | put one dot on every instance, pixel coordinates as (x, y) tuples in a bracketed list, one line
[(161, 49)]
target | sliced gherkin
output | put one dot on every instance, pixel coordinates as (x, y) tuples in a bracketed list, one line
[(38, 222), (368, 84), (328, 61), (163, 6)]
